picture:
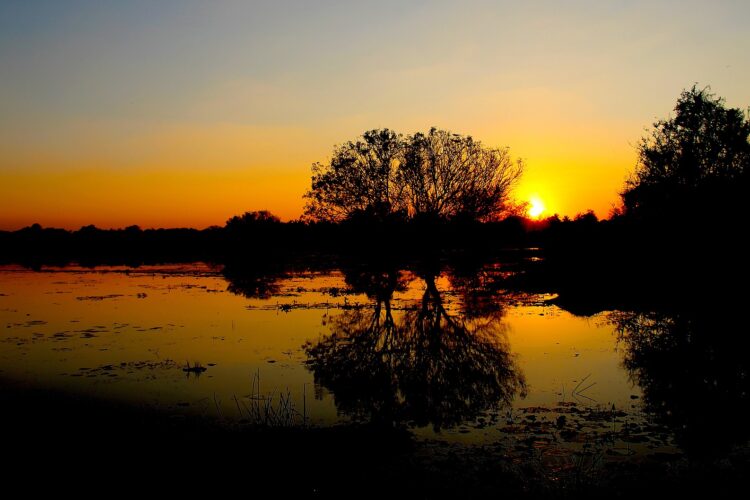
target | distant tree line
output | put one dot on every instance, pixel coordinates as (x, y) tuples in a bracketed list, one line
[(257, 236)]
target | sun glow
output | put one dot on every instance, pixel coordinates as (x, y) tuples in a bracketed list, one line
[(536, 207)]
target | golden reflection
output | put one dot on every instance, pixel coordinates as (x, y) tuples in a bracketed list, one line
[(421, 365), (433, 349)]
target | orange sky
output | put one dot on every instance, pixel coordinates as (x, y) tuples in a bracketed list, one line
[(158, 179), (186, 113)]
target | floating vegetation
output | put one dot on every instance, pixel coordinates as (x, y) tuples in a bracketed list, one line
[(124, 368), (196, 369), (100, 297), (28, 324)]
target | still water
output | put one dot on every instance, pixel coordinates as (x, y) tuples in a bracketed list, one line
[(450, 356)]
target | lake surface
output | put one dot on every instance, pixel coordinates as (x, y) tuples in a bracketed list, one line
[(455, 358)]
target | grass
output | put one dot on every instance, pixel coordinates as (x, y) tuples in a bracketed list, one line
[(276, 409)]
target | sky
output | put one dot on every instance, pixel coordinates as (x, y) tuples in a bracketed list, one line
[(184, 113)]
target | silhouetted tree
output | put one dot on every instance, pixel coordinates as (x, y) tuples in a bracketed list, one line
[(250, 220), (360, 178), (449, 175), (256, 233), (437, 175), (691, 161), (586, 218)]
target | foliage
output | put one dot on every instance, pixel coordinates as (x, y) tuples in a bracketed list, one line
[(362, 177), (251, 219), (450, 175), (691, 160), (437, 175)]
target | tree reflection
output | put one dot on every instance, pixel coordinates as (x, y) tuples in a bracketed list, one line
[(254, 280), (418, 366), (481, 288), (693, 369)]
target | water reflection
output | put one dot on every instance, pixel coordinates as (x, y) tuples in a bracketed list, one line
[(421, 366), (421, 347), (254, 280), (693, 369)]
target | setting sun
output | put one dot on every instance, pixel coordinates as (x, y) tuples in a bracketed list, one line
[(536, 207)]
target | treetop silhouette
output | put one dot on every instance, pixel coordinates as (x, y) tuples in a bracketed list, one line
[(690, 161), (436, 175)]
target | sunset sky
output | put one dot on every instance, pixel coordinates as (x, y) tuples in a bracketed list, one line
[(185, 113)]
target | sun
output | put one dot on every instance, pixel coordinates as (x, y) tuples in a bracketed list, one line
[(536, 207)]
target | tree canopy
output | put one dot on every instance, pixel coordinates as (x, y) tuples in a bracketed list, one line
[(362, 177), (691, 161), (437, 174), (252, 219)]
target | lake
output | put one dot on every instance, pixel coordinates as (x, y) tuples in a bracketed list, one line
[(452, 356)]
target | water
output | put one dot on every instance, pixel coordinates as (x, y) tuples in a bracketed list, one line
[(453, 358)]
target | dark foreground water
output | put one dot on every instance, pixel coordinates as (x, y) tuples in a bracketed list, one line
[(457, 359)]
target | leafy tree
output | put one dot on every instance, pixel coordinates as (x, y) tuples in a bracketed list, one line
[(362, 177), (252, 231), (437, 174), (692, 161), (449, 175), (250, 220)]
